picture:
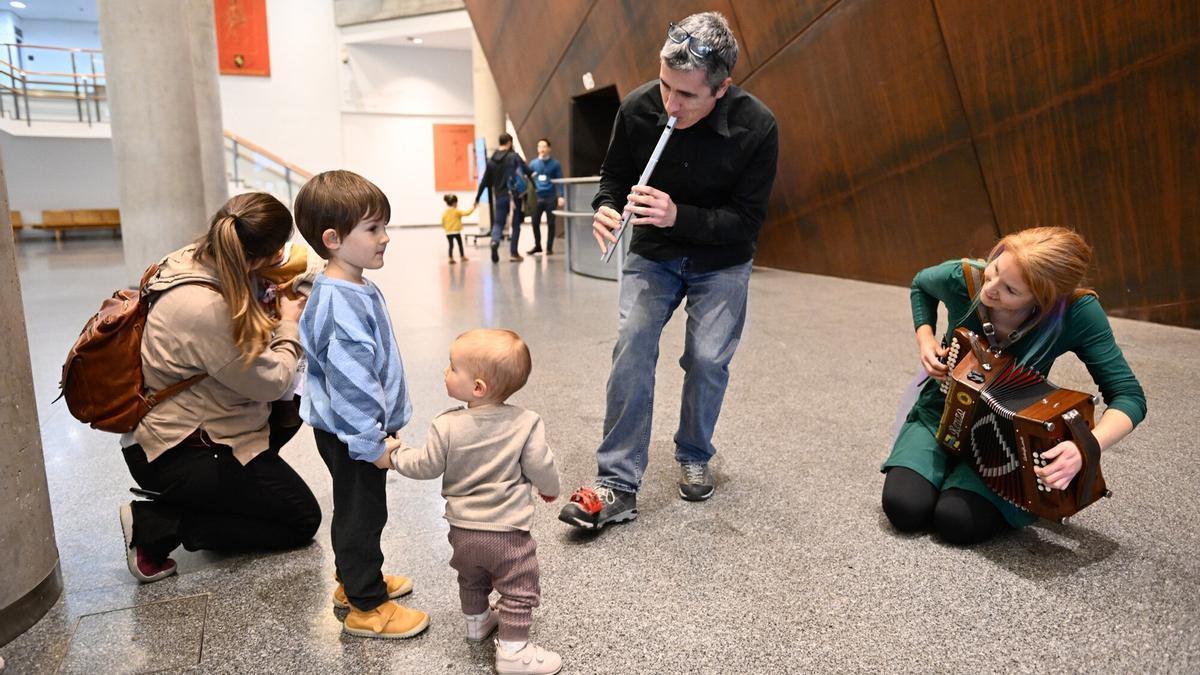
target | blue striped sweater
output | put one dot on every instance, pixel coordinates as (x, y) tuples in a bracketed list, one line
[(355, 387)]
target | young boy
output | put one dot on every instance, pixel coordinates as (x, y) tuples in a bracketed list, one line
[(355, 394), (488, 455)]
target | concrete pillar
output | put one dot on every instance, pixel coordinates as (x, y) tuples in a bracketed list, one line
[(32, 580), (489, 110), (160, 62)]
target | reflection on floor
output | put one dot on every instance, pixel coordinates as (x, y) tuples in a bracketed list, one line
[(791, 567)]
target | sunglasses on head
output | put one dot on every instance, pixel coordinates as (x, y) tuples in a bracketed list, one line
[(694, 45)]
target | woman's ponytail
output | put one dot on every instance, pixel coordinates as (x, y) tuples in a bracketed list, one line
[(248, 228)]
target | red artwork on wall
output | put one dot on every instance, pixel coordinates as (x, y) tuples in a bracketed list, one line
[(242, 37), (452, 159)]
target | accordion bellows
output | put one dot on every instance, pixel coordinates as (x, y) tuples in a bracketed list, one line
[(1001, 417)]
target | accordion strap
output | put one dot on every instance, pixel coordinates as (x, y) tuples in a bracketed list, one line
[(1090, 448), (974, 279)]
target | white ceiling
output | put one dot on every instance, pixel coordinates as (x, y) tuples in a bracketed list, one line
[(459, 38), (63, 10), (444, 30)]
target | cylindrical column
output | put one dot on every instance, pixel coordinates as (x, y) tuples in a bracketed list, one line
[(160, 61), (32, 580), (489, 110)]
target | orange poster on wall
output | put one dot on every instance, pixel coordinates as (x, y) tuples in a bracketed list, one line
[(452, 148), (242, 37)]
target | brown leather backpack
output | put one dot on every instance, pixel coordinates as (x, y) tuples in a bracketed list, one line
[(102, 377)]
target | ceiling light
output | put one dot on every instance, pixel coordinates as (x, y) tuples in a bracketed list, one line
[(415, 40), (17, 5)]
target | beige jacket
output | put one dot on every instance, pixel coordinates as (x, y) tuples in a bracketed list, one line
[(488, 459), (189, 331)]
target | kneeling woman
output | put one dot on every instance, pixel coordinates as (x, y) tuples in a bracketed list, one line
[(212, 452), (1031, 292)]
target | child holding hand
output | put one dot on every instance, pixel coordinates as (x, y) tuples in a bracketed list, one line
[(491, 456), (452, 224)]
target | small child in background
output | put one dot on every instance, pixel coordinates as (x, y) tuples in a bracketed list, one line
[(452, 224), (491, 456)]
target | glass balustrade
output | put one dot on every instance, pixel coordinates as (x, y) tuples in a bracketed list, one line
[(70, 87), (253, 169)]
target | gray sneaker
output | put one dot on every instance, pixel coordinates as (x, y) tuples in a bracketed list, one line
[(695, 482), (594, 507)]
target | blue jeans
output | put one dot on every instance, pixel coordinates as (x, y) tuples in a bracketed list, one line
[(716, 309), (504, 203)]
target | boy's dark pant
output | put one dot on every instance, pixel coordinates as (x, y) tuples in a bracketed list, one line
[(359, 514)]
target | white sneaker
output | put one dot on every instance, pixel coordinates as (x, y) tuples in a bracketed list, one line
[(532, 660), (479, 630)]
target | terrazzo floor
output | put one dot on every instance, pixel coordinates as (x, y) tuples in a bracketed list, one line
[(790, 567)]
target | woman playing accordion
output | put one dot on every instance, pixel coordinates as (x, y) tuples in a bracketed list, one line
[(1031, 305)]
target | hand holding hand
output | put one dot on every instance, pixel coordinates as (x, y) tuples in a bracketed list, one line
[(651, 206), (1067, 461), (390, 445), (289, 309)]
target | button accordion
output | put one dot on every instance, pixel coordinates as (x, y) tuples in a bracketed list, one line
[(1001, 417)]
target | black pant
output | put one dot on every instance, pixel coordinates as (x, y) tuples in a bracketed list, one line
[(545, 205), (359, 514), (450, 239), (209, 500), (959, 516)]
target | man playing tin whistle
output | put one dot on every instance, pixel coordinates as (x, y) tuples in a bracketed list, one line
[(693, 232)]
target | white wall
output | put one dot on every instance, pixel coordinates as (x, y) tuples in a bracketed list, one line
[(55, 33), (294, 113), (58, 173), (406, 80), (8, 23), (331, 101), (396, 153), (391, 97)]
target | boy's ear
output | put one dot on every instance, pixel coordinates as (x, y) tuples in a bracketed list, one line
[(480, 390), (331, 240)]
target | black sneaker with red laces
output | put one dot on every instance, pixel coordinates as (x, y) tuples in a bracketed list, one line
[(592, 508)]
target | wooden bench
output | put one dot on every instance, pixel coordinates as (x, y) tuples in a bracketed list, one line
[(80, 219)]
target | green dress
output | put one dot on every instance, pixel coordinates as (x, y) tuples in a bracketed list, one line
[(1085, 331)]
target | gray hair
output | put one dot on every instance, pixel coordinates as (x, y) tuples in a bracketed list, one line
[(708, 28)]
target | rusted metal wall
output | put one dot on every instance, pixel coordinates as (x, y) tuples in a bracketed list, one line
[(919, 130)]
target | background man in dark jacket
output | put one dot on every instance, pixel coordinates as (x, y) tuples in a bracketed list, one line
[(504, 174)]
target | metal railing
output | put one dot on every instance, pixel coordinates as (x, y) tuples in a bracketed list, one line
[(83, 85), (81, 95), (251, 167)]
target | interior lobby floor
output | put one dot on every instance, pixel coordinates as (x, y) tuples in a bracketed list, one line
[(790, 567)]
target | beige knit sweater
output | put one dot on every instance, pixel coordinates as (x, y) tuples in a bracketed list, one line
[(491, 459), (189, 331)]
